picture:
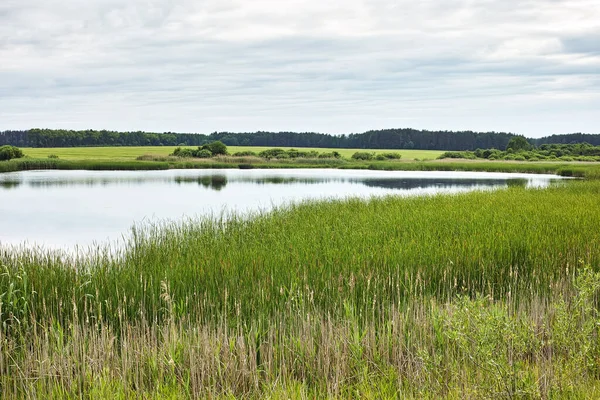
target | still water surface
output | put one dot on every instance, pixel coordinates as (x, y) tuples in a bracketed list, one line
[(61, 209)]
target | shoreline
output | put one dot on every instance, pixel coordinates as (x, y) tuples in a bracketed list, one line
[(571, 169)]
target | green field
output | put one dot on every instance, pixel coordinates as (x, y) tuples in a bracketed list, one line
[(479, 295), (131, 153)]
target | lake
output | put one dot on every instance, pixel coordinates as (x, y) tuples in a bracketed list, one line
[(63, 209)]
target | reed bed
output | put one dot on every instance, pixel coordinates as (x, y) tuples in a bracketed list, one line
[(478, 295)]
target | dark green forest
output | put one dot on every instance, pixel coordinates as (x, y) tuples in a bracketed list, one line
[(375, 139)]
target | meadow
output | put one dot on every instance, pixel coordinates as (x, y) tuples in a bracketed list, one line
[(131, 153), (479, 295)]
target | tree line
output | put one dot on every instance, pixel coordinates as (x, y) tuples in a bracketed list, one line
[(519, 149), (374, 139)]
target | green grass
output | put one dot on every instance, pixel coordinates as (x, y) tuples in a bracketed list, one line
[(148, 158), (131, 153), (480, 295)]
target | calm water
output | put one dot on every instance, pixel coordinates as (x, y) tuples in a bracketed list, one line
[(61, 209)]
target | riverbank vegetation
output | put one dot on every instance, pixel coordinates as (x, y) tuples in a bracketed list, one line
[(153, 162), (479, 295), (523, 151)]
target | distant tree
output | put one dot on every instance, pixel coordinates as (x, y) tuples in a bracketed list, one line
[(403, 138), (518, 143)]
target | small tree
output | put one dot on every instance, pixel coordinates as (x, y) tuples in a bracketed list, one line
[(10, 152), (216, 148), (518, 143)]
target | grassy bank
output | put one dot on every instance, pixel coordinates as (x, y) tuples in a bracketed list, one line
[(587, 170), (486, 294)]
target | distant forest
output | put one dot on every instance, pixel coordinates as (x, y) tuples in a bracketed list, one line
[(376, 139)]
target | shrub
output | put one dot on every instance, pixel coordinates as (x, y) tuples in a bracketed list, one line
[(185, 153), (245, 154), (10, 152), (215, 148), (391, 156), (53, 156), (203, 153), (206, 151), (271, 153), (328, 155), (457, 154), (363, 155), (293, 153), (453, 154)]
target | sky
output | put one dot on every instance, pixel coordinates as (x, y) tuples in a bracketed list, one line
[(337, 66)]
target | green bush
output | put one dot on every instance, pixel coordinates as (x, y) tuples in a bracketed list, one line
[(184, 153), (363, 155), (271, 153), (391, 156), (245, 154), (216, 148), (452, 154), (206, 151), (10, 152), (203, 153), (293, 153)]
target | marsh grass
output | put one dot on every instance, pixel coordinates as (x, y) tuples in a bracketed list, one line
[(27, 164), (478, 295)]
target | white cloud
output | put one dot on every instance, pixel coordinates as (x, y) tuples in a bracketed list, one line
[(336, 66)]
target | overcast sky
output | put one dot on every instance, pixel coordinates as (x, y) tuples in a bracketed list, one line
[(336, 66)]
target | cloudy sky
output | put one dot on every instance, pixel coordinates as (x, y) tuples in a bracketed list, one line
[(336, 66)]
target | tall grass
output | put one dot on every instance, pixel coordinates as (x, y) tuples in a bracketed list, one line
[(26, 164), (587, 170), (472, 295)]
